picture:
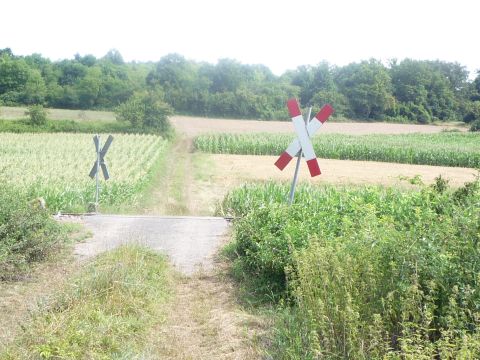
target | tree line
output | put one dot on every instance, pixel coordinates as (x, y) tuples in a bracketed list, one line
[(419, 91)]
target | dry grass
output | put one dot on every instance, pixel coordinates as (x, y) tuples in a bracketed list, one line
[(14, 113), (206, 322), (218, 173), (20, 298)]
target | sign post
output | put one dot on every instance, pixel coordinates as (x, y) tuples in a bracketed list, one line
[(303, 144), (297, 166), (100, 164)]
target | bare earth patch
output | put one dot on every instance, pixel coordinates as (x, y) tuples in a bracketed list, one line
[(193, 126)]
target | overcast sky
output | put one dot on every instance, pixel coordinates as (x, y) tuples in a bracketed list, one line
[(278, 33)]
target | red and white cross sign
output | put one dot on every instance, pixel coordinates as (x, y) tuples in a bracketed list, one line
[(304, 133)]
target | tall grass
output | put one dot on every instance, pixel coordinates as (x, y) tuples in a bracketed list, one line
[(59, 126), (443, 149), (105, 312), (372, 272), (27, 234)]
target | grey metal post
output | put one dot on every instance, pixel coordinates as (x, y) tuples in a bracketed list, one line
[(96, 174), (291, 196)]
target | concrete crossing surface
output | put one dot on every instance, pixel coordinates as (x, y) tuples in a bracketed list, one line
[(189, 242)]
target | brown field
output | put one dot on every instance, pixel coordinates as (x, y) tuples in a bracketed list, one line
[(193, 126), (222, 173)]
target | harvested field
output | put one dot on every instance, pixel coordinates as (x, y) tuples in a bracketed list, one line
[(193, 126), (251, 167), (222, 173)]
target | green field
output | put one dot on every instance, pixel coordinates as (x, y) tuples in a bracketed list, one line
[(56, 167), (442, 149), (366, 273)]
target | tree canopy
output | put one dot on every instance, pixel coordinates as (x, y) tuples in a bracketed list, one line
[(409, 90)]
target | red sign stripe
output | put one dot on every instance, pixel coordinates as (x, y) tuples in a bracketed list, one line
[(283, 160), (293, 108), (324, 113), (313, 167)]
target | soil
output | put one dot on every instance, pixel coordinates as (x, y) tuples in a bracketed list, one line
[(193, 126)]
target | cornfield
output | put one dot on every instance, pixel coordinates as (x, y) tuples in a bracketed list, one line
[(56, 167), (441, 149)]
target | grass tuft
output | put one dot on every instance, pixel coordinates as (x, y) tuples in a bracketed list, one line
[(105, 312)]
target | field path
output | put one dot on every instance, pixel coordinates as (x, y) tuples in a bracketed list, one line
[(204, 319)]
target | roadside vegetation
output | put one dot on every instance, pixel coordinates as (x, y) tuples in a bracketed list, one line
[(105, 312), (27, 234), (442, 149), (362, 273), (67, 126)]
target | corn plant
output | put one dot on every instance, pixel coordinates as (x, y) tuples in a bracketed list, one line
[(56, 167), (441, 149)]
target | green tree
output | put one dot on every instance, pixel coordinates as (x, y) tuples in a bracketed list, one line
[(114, 57), (338, 101), (19, 83), (37, 115), (367, 87), (147, 111), (424, 90), (35, 90), (14, 75), (176, 76), (88, 88)]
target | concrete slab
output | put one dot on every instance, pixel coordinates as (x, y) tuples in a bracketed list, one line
[(189, 242)]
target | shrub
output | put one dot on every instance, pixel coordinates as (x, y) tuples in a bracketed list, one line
[(37, 115), (146, 111), (475, 126), (27, 233), (373, 272)]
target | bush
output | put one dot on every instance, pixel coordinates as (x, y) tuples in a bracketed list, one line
[(27, 233), (146, 111), (475, 126), (374, 273), (37, 115)]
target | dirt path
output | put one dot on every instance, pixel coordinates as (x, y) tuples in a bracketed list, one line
[(170, 190), (206, 322)]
